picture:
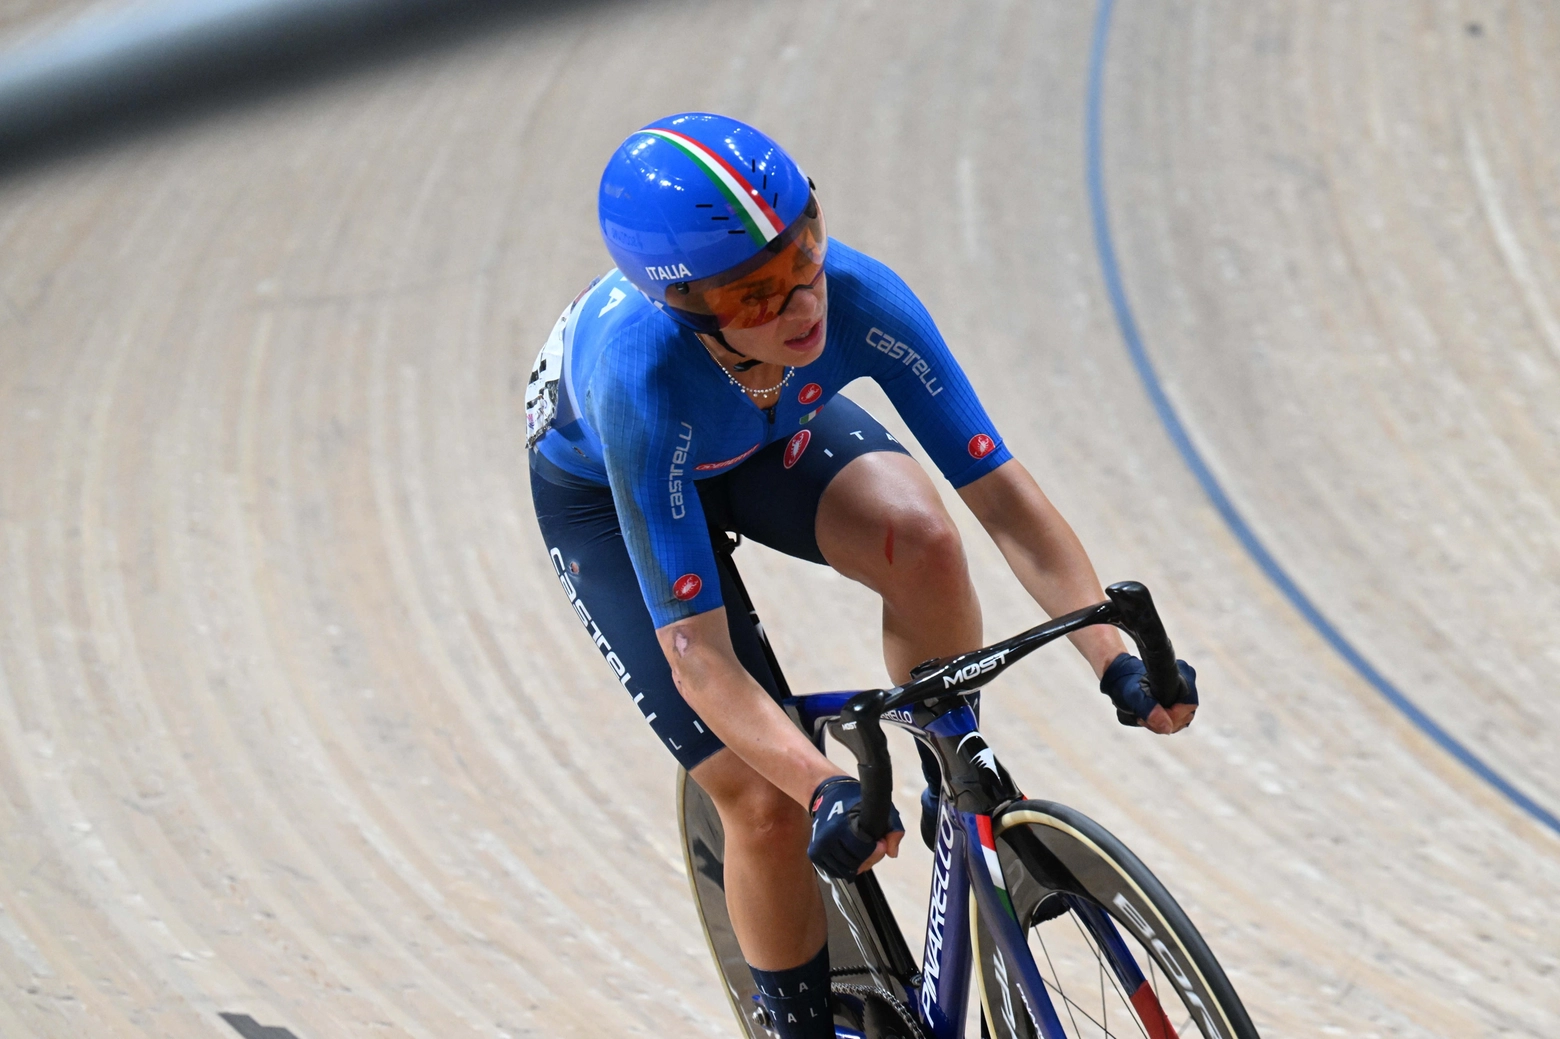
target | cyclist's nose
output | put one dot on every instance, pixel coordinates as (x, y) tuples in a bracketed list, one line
[(805, 303)]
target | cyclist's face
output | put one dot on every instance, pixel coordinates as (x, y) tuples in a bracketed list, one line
[(796, 336)]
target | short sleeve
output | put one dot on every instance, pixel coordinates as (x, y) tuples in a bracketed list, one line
[(647, 446), (927, 386)]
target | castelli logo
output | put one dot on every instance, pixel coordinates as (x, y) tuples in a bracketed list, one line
[(687, 586), (981, 445), (798, 444), (811, 392)]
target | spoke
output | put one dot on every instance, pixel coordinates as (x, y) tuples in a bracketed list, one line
[(1109, 972), (1070, 1005), (1104, 1028), (1057, 975), (1104, 1011), (1191, 1021)]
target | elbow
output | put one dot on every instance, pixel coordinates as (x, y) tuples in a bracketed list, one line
[(699, 662)]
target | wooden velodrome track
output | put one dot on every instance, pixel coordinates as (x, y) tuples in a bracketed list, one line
[(294, 722)]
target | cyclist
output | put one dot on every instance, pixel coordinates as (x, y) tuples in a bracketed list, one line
[(695, 388)]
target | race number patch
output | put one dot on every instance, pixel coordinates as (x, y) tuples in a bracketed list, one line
[(541, 392)]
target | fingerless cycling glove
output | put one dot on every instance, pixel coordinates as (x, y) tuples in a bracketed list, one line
[(1125, 681), (836, 848)]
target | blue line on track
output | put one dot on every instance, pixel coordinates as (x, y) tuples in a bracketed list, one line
[(1210, 483)]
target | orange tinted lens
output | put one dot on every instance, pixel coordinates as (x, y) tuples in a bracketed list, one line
[(758, 298)]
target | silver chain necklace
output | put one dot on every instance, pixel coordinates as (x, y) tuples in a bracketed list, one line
[(765, 391)]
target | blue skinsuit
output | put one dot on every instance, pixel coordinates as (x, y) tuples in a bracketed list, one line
[(644, 409)]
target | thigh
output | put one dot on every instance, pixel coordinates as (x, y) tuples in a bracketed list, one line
[(773, 497), (580, 528), (882, 516)]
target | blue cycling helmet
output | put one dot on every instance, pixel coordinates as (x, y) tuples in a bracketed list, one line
[(699, 198)]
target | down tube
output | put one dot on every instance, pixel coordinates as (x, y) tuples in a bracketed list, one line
[(945, 971)]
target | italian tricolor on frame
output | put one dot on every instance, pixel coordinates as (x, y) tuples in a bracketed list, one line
[(988, 846)]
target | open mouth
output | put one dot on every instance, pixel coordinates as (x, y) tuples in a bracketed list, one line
[(807, 340)]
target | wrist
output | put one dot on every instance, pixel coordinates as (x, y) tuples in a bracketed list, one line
[(1121, 665), (824, 787), (1099, 644), (1104, 652)]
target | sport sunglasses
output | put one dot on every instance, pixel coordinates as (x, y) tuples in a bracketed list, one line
[(756, 292)]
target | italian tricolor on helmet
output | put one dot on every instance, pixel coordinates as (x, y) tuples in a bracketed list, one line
[(711, 220)]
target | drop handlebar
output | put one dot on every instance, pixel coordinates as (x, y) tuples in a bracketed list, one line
[(1128, 607)]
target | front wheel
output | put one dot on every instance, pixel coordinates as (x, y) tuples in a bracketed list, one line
[(1117, 955)]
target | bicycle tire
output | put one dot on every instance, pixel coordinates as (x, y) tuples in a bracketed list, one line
[(1062, 869), (704, 852), (855, 948)]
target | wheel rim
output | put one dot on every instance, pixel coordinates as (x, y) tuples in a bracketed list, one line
[(1112, 962)]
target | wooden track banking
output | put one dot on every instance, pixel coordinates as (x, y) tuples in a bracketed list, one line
[(294, 722)]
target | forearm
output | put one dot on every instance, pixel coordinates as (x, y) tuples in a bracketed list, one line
[(738, 709), (1044, 553)]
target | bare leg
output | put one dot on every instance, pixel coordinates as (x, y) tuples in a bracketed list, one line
[(771, 889), (881, 522)]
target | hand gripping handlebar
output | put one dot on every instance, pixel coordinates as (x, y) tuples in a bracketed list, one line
[(1135, 615), (1129, 608)]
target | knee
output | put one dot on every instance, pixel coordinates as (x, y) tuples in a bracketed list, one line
[(757, 812), (924, 547)]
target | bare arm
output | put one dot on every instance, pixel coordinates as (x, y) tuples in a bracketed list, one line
[(737, 708), (1043, 551), (1050, 563)]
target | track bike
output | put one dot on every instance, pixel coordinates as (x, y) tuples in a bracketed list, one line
[(1067, 933)]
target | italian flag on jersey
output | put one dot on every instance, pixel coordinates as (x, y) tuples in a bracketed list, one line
[(757, 215)]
